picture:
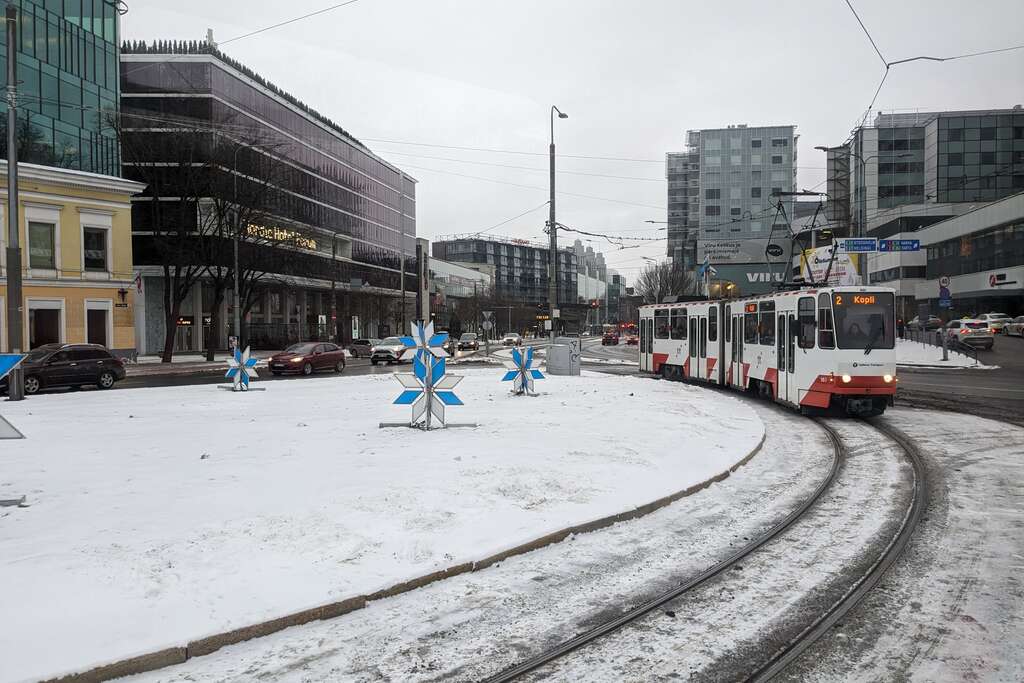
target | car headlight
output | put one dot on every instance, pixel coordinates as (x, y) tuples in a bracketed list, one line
[(887, 378), (297, 359), (847, 379)]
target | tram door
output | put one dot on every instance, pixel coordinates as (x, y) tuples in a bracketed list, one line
[(737, 350), (645, 341), (792, 388), (781, 336), (694, 346)]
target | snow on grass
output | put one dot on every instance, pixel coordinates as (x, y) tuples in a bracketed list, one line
[(910, 353), (163, 515)]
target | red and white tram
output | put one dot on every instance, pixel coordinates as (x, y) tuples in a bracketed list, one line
[(829, 347)]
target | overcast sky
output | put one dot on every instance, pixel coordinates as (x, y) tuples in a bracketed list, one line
[(633, 75)]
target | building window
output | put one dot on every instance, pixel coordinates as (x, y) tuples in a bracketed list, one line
[(736, 160), (776, 158), (755, 177), (755, 226), (755, 193), (776, 191), (780, 142), (712, 210), (955, 134), (736, 211), (956, 159), (988, 157), (712, 194), (42, 248), (714, 161), (735, 193), (988, 133), (713, 144), (755, 159), (736, 143), (94, 248), (755, 143)]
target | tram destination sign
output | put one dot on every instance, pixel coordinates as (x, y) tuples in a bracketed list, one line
[(899, 245)]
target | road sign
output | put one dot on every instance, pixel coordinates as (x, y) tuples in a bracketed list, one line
[(944, 281), (858, 245), (774, 250), (487, 325), (899, 245), (488, 315)]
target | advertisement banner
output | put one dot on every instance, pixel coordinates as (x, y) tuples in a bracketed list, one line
[(815, 263), (739, 251)]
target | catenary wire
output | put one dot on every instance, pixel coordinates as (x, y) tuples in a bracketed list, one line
[(867, 33), (289, 21)]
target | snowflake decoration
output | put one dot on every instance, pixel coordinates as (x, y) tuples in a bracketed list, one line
[(241, 368), (428, 389), (521, 372)]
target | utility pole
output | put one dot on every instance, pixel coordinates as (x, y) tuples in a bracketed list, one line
[(15, 335), (419, 286), (553, 229), (235, 295), (402, 276)]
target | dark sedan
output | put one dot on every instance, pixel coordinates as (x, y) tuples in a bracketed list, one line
[(69, 365), (307, 358)]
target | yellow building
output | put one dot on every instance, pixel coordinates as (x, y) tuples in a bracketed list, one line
[(76, 240)]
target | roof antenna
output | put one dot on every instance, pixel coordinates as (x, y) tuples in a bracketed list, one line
[(209, 39)]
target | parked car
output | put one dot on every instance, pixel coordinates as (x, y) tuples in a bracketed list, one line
[(512, 339), (610, 339), (933, 322), (468, 341), (996, 321), (306, 358), (69, 365), (389, 350), (1015, 327), (973, 332), (632, 340), (362, 348)]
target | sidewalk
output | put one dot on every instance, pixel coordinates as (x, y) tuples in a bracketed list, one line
[(187, 364)]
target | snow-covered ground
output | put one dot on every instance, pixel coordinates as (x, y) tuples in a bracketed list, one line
[(163, 515), (910, 353)]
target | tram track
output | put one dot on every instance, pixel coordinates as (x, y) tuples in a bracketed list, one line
[(824, 620)]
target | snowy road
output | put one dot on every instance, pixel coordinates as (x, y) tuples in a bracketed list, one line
[(471, 626)]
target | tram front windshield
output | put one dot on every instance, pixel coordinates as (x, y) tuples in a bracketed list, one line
[(864, 320)]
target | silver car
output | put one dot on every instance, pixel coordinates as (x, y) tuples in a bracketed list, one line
[(996, 321), (973, 332), (511, 339), (390, 350), (1015, 327)]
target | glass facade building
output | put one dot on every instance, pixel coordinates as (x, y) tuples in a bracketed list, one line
[(68, 84), (353, 212), (682, 172)]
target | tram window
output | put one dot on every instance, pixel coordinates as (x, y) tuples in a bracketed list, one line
[(678, 319), (750, 328), (781, 337), (703, 338), (661, 325), (792, 352), (826, 333), (713, 324), (727, 323), (767, 327), (693, 336), (805, 309)]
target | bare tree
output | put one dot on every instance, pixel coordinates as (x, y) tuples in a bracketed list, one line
[(663, 279)]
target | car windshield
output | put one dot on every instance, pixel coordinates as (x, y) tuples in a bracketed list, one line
[(864, 320), (36, 356), (996, 316), (469, 336), (976, 326), (304, 348), (391, 341)]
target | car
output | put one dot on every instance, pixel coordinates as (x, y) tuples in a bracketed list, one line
[(69, 365), (512, 339), (973, 332), (996, 321), (362, 348), (610, 339), (934, 322), (632, 340), (468, 341), (1015, 327), (389, 350), (305, 358)]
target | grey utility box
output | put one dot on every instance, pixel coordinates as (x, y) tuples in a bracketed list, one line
[(564, 356)]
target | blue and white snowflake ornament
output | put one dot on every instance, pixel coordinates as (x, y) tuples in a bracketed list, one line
[(428, 389), (241, 368), (520, 371)]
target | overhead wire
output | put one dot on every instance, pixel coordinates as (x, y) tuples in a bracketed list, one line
[(289, 21)]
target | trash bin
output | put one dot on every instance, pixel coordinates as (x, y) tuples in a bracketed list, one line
[(564, 356)]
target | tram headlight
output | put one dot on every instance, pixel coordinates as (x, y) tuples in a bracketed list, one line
[(887, 378), (847, 379)]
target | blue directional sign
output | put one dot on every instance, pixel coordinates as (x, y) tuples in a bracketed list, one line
[(899, 245), (858, 245), (9, 361)]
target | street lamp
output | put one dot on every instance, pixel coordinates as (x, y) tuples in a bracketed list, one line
[(553, 226)]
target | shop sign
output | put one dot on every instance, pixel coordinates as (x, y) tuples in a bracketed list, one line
[(278, 234)]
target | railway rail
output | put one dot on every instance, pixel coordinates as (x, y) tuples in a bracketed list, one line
[(818, 626)]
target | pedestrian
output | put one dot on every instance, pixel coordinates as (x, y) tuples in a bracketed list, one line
[(900, 327)]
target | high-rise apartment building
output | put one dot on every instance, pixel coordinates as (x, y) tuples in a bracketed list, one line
[(723, 201), (68, 84), (907, 171)]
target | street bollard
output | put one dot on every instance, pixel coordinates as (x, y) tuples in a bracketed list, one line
[(945, 347)]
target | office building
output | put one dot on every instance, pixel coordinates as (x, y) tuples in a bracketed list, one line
[(682, 173), (76, 244), (335, 239), (907, 171), (67, 85)]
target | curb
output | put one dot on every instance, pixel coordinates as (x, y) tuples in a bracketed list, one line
[(197, 648)]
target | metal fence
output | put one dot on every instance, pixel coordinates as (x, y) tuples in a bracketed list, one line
[(937, 337)]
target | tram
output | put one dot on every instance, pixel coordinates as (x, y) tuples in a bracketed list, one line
[(819, 349)]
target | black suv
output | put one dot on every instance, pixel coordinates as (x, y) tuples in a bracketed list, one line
[(69, 365)]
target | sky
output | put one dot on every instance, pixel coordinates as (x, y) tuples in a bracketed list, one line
[(633, 76)]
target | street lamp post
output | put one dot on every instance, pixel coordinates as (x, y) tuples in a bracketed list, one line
[(553, 227)]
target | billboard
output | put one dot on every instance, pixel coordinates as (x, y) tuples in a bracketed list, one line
[(841, 270), (739, 250)]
